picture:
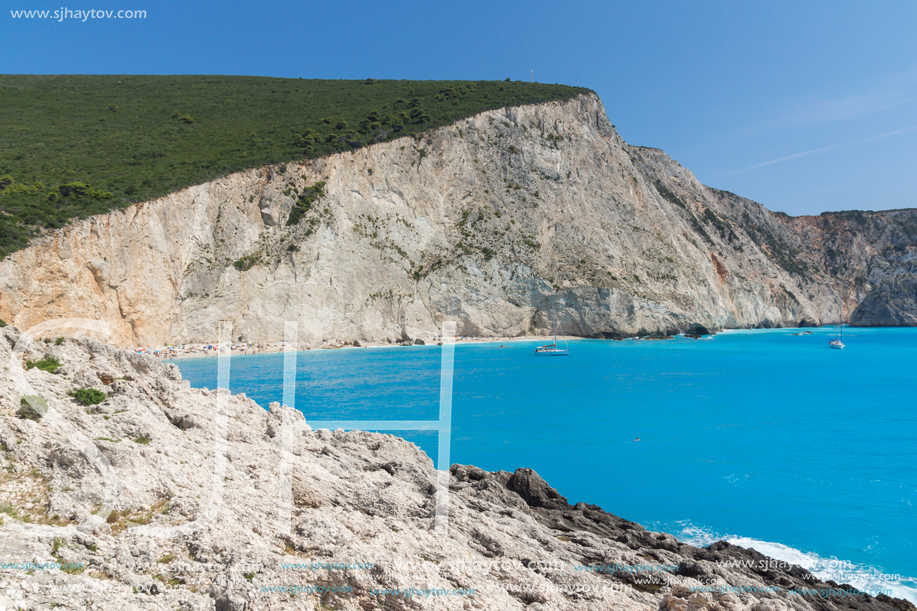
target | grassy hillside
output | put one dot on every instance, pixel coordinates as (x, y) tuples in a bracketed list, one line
[(73, 146)]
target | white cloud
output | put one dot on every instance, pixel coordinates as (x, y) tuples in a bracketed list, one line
[(822, 149)]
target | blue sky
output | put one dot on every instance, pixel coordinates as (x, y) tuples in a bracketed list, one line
[(802, 106)]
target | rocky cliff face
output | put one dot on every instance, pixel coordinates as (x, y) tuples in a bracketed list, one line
[(164, 497), (486, 222), (892, 304)]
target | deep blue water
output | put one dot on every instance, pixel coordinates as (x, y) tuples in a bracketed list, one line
[(763, 438)]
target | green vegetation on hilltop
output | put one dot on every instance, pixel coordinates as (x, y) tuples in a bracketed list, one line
[(74, 146)]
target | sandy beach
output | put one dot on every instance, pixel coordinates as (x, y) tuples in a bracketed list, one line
[(187, 351)]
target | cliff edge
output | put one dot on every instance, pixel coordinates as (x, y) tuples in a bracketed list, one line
[(487, 222)]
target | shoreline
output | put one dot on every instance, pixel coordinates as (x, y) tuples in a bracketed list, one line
[(817, 561), (190, 351), (534, 510)]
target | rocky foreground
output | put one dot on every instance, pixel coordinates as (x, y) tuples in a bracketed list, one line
[(199, 524)]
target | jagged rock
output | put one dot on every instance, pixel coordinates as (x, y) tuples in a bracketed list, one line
[(354, 497), (891, 304), (535, 491)]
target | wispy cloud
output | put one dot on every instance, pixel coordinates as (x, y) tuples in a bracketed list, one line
[(818, 108), (822, 149), (844, 108)]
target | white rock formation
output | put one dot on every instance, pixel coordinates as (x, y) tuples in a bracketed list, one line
[(485, 222), (159, 541)]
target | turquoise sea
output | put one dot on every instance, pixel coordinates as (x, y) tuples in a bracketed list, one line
[(763, 438)]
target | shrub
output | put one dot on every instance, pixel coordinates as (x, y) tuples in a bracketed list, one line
[(32, 407), (306, 139), (246, 263), (82, 190), (142, 440), (304, 202), (59, 341), (296, 215), (2, 324), (88, 396), (186, 119), (49, 364)]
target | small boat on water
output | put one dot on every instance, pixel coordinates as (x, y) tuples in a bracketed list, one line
[(553, 349), (837, 340)]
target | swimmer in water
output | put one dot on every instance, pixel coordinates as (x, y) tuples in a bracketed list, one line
[(637, 439)]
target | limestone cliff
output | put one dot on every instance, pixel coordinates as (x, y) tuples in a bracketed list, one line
[(891, 304), (486, 222)]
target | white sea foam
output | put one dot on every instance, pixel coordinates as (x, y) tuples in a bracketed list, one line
[(860, 576)]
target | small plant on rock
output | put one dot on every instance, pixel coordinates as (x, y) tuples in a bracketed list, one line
[(88, 396), (49, 364), (32, 407)]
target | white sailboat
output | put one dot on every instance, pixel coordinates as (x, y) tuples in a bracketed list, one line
[(553, 349), (837, 340)]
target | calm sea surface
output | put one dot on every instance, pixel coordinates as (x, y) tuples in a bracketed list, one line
[(763, 438)]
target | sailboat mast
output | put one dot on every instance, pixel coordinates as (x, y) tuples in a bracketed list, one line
[(554, 323)]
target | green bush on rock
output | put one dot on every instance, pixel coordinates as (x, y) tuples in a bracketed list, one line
[(88, 396), (49, 364), (32, 407)]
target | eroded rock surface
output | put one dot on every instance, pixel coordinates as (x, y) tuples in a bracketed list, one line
[(197, 522), (891, 304)]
